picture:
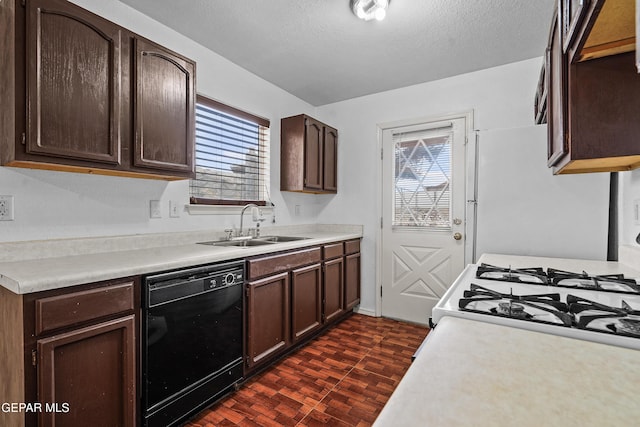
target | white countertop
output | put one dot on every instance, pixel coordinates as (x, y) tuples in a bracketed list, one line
[(479, 374), (21, 275)]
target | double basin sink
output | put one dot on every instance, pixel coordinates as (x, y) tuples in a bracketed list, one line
[(255, 241)]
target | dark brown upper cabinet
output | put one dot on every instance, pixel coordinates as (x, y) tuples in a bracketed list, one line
[(308, 155), (593, 88), (557, 142), (83, 94), (73, 81), (165, 90)]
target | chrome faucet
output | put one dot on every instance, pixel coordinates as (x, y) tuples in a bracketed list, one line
[(250, 205)]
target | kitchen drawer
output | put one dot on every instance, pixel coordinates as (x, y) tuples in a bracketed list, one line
[(272, 264), (352, 246), (79, 307), (334, 250)]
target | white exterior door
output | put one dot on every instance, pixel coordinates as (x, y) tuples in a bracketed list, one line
[(423, 216)]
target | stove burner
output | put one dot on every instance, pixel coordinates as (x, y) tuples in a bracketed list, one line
[(602, 318), (607, 283), (511, 309), (630, 326), (521, 275), (543, 308)]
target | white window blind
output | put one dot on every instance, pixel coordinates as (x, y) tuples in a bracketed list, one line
[(232, 155), (422, 169)]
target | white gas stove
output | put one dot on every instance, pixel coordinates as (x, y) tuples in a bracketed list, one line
[(598, 308)]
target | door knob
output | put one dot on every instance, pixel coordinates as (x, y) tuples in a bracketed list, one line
[(457, 236)]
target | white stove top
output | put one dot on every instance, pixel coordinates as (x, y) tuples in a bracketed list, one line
[(448, 306)]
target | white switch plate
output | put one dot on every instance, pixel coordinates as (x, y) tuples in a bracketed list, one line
[(174, 209), (636, 211), (154, 209), (6, 208), (296, 210)]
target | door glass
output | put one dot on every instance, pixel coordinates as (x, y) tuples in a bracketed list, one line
[(422, 179)]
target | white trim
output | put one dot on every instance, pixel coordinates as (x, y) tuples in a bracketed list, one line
[(365, 311), (470, 159), (222, 209)]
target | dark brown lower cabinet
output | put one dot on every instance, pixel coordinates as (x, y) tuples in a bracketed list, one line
[(86, 377), (293, 295), (333, 287), (351, 280), (267, 318), (306, 301), (79, 361)]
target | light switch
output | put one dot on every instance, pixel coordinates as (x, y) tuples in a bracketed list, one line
[(174, 209)]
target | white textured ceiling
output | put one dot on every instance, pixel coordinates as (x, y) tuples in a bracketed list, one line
[(320, 52)]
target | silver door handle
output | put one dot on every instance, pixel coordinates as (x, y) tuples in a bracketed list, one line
[(457, 236)]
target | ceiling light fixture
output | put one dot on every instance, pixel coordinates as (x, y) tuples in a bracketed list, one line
[(370, 9)]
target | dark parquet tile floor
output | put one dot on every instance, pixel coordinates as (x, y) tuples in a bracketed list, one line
[(342, 378)]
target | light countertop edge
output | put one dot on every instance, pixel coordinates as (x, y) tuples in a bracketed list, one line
[(481, 374), (34, 275)]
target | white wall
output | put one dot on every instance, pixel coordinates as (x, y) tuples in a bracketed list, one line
[(629, 195), (59, 205), (500, 97)]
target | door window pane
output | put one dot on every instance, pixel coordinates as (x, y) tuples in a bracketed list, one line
[(422, 194)]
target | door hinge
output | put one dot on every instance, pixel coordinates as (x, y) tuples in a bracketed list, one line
[(24, 138), (34, 357), (380, 222), (380, 291), (382, 154)]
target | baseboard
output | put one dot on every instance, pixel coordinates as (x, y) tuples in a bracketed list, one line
[(364, 311)]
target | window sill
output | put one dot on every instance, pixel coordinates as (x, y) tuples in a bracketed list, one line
[(222, 209)]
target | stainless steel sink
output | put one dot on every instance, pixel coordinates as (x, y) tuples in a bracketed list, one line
[(276, 239), (238, 243)]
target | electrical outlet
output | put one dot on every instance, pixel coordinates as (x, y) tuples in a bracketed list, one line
[(154, 209), (6, 208), (174, 209)]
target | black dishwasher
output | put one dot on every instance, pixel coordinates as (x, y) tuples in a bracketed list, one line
[(192, 340)]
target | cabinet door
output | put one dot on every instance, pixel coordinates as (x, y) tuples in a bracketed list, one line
[(73, 83), (330, 159), (87, 376), (333, 289), (558, 145), (351, 280), (164, 109), (267, 318), (313, 154), (306, 301), (572, 13)]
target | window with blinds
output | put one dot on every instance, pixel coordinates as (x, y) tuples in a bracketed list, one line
[(232, 156)]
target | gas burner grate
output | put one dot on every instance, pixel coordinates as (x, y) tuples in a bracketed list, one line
[(598, 317), (606, 283), (534, 276), (542, 308)]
